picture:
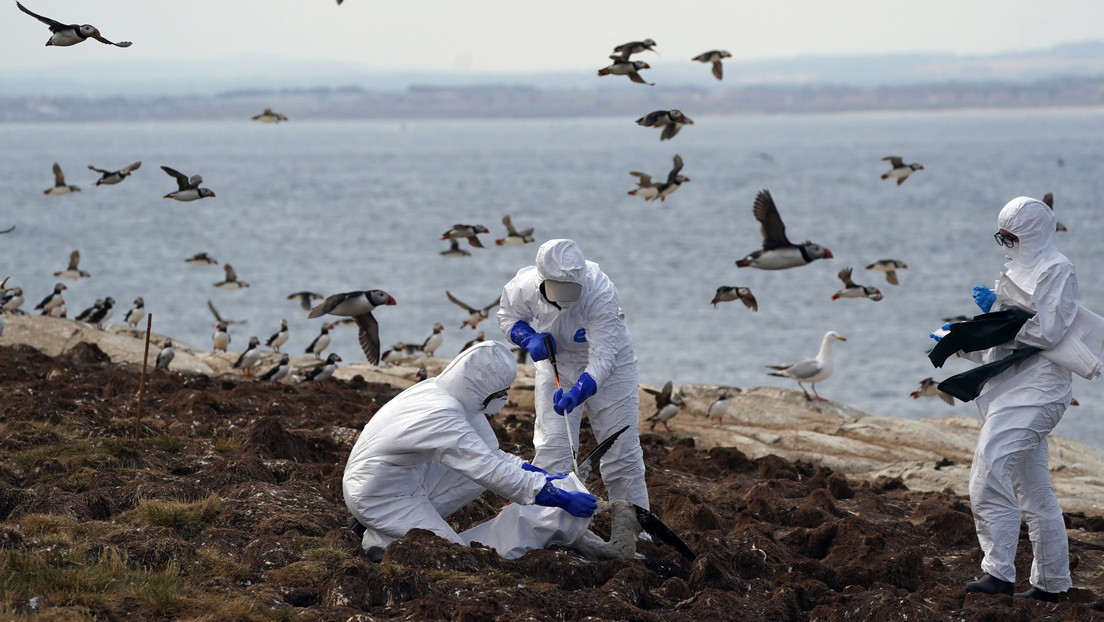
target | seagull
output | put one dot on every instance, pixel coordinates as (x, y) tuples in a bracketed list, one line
[(166, 355), (305, 299), (250, 357), (231, 281), (73, 271), (668, 403), (113, 177), (221, 339), (670, 120), (278, 338), (852, 290), (899, 170), (732, 292), (321, 342), (70, 34), (717, 409), (136, 314), (513, 236), (629, 68), (269, 117), (432, 342), (60, 187), (625, 50), (778, 253), (325, 370), (812, 370), (715, 57), (466, 231), (929, 387), (279, 371), (478, 338), (49, 303), (890, 267), (358, 305), (475, 316), (187, 188), (454, 250), (220, 319), (201, 259)]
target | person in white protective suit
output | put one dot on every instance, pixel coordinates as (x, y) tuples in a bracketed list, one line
[(567, 307), (431, 450), (1020, 406)]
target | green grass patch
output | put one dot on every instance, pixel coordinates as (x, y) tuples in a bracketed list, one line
[(187, 518), (228, 445), (212, 564), (167, 442)]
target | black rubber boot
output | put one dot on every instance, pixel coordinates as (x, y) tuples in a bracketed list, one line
[(991, 585), (1037, 594)]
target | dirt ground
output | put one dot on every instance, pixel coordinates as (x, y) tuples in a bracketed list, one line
[(259, 467)]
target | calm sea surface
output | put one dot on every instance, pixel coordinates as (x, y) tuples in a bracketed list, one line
[(337, 206)]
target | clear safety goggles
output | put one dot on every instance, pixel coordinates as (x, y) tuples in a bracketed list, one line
[(494, 396)]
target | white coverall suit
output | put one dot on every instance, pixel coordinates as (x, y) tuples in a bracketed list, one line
[(1020, 406), (590, 337), (430, 451)]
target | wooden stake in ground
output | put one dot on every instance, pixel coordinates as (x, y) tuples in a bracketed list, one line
[(142, 382)]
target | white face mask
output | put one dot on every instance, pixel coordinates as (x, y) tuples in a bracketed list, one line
[(495, 405)]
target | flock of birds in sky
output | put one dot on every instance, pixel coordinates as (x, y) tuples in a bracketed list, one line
[(777, 252)]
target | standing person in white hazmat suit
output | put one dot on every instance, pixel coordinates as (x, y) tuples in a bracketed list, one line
[(573, 302), (430, 451), (1020, 406)]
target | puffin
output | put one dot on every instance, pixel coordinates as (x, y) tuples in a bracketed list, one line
[(73, 271), (513, 236), (726, 293), (201, 259), (475, 316), (166, 355), (929, 387), (113, 177), (814, 370), (278, 338), (279, 371), (674, 181), (715, 57), (625, 50), (321, 342), (325, 370), (136, 313), (671, 121), (432, 342), (220, 319), (645, 187), (629, 68), (70, 34), (716, 412), (899, 170), (269, 117), (668, 404), (99, 314), (466, 231), (853, 290), (53, 300), (187, 188), (231, 281), (250, 357), (305, 299), (60, 187), (398, 352), (12, 300), (221, 339), (1048, 200), (890, 267), (478, 338), (358, 305), (778, 253), (83, 315), (454, 250)]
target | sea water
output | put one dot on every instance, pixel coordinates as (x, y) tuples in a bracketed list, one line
[(332, 206)]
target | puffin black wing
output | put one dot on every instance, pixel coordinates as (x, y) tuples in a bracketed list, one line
[(369, 336), (52, 23), (181, 178), (771, 226), (655, 528)]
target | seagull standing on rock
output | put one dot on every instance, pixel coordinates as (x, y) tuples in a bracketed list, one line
[(813, 370)]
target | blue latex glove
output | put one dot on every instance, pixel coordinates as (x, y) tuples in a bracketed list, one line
[(567, 402), (549, 476), (536, 343), (581, 504), (946, 326), (984, 297)]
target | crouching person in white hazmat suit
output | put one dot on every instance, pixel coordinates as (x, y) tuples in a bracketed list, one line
[(1020, 406), (566, 307), (430, 451)]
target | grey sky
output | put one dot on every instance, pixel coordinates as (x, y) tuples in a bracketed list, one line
[(521, 35)]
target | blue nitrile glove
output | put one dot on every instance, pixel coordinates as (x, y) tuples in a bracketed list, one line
[(566, 402), (550, 476), (984, 297), (523, 335), (944, 327), (581, 504)]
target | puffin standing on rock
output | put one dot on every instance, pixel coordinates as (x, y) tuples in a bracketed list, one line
[(358, 305), (321, 342), (166, 355), (136, 314), (54, 300), (278, 338), (325, 370), (778, 253), (221, 339), (250, 357), (12, 300), (279, 371), (70, 34)]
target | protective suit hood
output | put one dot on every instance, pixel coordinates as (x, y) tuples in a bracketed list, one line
[(477, 372), (1034, 224), (561, 260)]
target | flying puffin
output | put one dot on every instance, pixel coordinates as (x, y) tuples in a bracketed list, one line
[(466, 231), (358, 305), (201, 259), (628, 68), (305, 299), (475, 316), (70, 34), (715, 57), (778, 253), (890, 267), (269, 117), (513, 236), (670, 120), (454, 250), (726, 293), (900, 171), (73, 271), (852, 290), (114, 177), (625, 50), (231, 281), (60, 187), (187, 188), (674, 181)]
